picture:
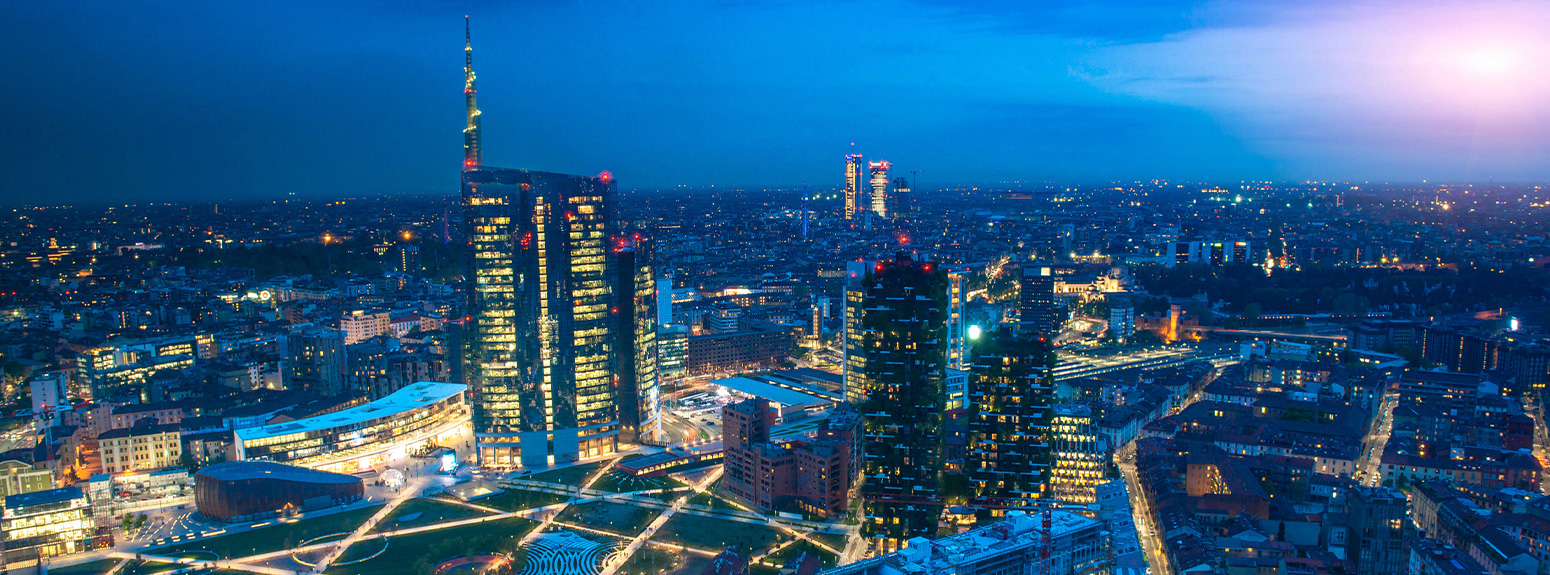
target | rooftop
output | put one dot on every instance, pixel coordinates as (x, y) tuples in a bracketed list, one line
[(406, 399), (42, 497), (771, 392), (241, 470)]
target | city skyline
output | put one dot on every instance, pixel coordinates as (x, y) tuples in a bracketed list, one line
[(273, 102), (551, 372)]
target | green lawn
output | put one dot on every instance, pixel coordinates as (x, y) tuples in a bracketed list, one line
[(835, 540), (275, 537), (431, 512), (437, 545), (650, 561), (620, 518), (621, 482), (713, 534), (147, 567), (515, 499), (571, 476), (89, 568), (710, 498), (362, 550), (791, 551)]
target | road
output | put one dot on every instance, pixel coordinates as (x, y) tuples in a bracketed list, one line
[(1151, 541), (1368, 469), (1541, 438)]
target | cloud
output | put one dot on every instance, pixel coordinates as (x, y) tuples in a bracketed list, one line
[(1457, 88)]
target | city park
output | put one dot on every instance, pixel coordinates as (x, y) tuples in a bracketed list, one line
[(583, 519)]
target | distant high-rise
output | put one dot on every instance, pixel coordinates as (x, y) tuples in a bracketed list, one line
[(880, 187), (903, 201), (1122, 315), (900, 313), (1010, 391), (409, 259), (1037, 307), (541, 345), (472, 153), (853, 163)]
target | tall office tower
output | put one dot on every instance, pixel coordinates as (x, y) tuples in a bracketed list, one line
[(957, 297), (853, 163), (639, 396), (664, 301), (540, 351), (1038, 301), (1080, 456), (855, 361), (903, 202), (1010, 391), (409, 259), (1376, 524), (880, 187), (472, 153), (902, 316)]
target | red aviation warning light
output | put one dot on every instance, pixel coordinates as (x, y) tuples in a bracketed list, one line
[(606, 176)]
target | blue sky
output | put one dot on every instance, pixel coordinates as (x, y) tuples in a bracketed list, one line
[(151, 101)]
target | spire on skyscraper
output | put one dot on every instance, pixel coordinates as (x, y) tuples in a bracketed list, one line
[(472, 155)]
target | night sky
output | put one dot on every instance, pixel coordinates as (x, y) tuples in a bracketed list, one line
[(131, 101)]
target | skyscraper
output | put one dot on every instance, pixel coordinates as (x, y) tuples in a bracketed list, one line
[(903, 201), (1037, 307), (880, 187), (472, 153), (1010, 391), (1079, 456), (637, 348), (409, 259), (957, 297), (852, 337), (901, 319), (1122, 315), (542, 357), (853, 163)]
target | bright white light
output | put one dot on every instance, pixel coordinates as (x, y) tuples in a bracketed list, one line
[(1491, 61), (974, 332)]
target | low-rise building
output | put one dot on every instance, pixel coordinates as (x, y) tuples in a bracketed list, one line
[(144, 447), (1077, 545), (249, 490), (48, 523), (365, 436), (814, 475)]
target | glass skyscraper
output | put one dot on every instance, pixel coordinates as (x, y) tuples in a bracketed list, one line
[(639, 405), (541, 355)]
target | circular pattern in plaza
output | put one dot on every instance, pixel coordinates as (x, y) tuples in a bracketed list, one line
[(566, 553)]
